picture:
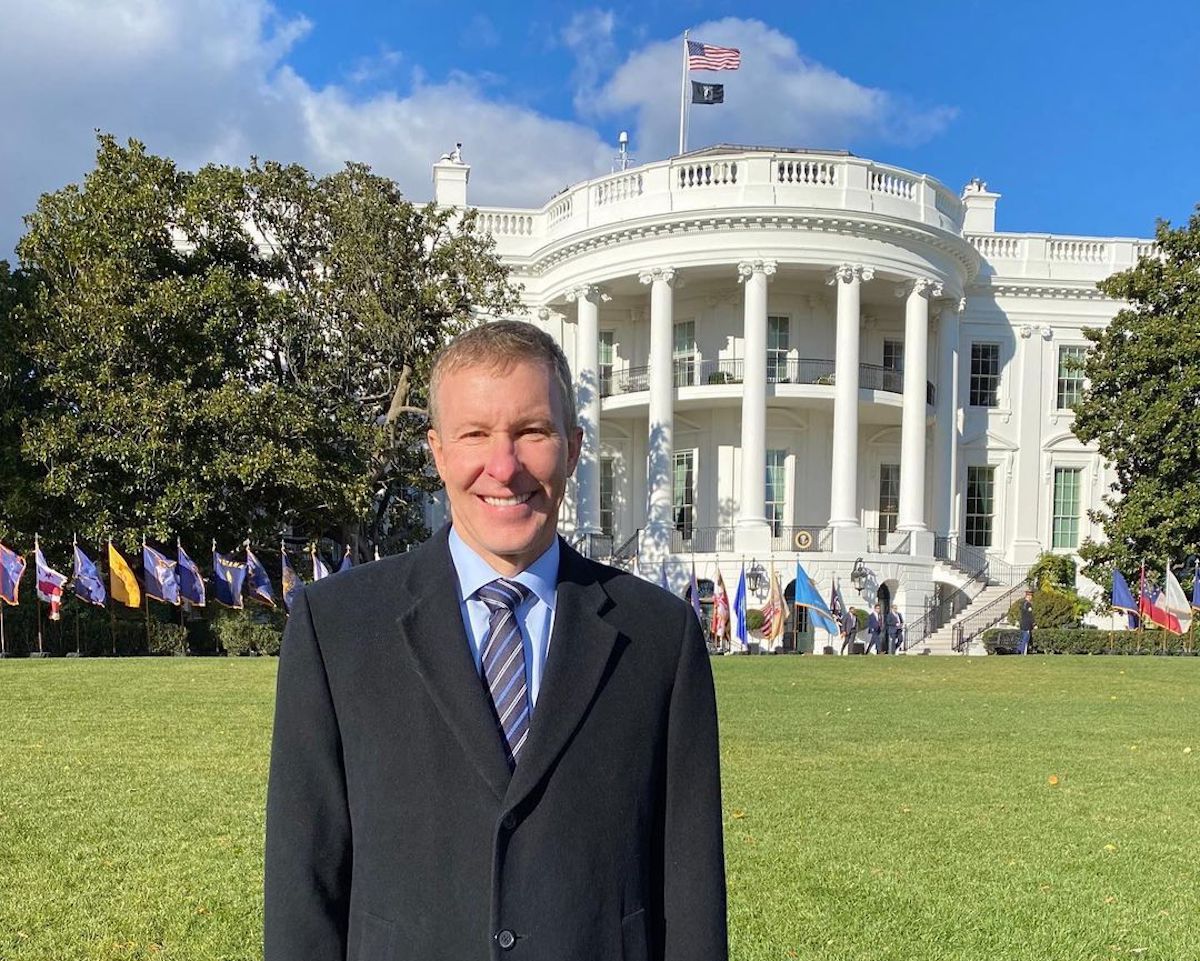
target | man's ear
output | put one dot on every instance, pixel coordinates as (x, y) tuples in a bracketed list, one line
[(435, 448)]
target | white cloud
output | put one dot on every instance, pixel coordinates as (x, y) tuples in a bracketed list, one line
[(778, 97), (211, 82)]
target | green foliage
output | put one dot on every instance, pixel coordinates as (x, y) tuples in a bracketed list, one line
[(167, 637), (1053, 570), (229, 351), (754, 619), (1053, 607), (1084, 640), (1143, 374), (248, 632)]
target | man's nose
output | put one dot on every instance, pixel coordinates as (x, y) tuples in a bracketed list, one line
[(503, 463)]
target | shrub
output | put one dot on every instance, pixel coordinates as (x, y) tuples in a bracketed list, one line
[(861, 617), (1087, 640), (754, 619), (1053, 607), (1053, 570), (247, 632), (168, 638)]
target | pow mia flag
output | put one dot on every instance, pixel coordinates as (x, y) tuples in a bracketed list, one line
[(708, 92)]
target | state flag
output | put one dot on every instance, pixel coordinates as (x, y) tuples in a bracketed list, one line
[(228, 577), (50, 584), (87, 582), (291, 581), (122, 584), (347, 561), (260, 580), (191, 581), (160, 576), (12, 569)]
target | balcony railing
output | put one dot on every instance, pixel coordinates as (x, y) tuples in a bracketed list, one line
[(795, 370)]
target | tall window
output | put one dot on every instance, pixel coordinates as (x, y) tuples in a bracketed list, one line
[(893, 354), (776, 490), (985, 374), (607, 495), (981, 482), (607, 342), (777, 349), (1070, 376), (685, 353), (683, 500), (889, 500), (1065, 532)]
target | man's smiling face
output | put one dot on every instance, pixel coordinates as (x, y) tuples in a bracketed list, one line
[(501, 449)]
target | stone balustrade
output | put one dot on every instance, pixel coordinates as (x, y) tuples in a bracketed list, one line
[(724, 181), (1014, 256)]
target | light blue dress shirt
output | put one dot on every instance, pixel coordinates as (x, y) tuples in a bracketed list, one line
[(535, 614)]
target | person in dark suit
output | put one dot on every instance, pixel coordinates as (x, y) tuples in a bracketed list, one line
[(874, 629), (849, 628), (1026, 621), (894, 627), (492, 747)]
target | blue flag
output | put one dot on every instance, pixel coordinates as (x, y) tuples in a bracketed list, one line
[(260, 581), (347, 561), (12, 568), (319, 568), (739, 610), (1122, 598), (291, 582), (191, 582), (808, 596), (1196, 587), (228, 577), (158, 572), (88, 584)]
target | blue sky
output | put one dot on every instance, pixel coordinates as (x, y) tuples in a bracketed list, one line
[(1082, 115)]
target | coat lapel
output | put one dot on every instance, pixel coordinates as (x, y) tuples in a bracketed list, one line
[(581, 646), (436, 640)]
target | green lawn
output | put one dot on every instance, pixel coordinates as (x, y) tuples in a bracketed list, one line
[(875, 808)]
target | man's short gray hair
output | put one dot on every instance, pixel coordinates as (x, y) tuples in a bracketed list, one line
[(498, 346)]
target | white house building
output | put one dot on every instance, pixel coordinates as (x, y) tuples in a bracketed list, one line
[(786, 354)]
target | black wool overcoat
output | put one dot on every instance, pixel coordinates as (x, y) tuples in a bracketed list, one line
[(395, 831)]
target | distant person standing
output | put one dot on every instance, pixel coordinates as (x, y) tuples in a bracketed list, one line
[(894, 626), (849, 629), (874, 629), (1026, 622)]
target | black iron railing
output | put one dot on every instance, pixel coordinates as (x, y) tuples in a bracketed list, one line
[(702, 540)]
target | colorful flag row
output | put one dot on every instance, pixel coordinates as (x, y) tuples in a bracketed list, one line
[(165, 580), (1167, 607), (729, 621)]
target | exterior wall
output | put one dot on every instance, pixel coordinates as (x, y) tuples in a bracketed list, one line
[(723, 219)]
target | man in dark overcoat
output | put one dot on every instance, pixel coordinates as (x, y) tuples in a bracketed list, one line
[(492, 748)]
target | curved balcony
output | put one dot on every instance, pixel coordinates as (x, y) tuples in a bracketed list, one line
[(793, 370)]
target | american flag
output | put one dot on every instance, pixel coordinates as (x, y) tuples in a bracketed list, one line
[(704, 56)]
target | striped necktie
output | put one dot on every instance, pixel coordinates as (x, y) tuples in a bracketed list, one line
[(504, 662)]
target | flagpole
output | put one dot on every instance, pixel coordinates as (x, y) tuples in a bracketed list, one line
[(683, 95), (112, 608), (37, 600)]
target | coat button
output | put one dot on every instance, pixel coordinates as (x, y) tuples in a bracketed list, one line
[(509, 821), (506, 939)]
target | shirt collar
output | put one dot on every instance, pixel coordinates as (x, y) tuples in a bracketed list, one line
[(474, 572)]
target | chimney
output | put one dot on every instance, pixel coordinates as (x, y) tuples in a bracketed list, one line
[(450, 176), (980, 204)]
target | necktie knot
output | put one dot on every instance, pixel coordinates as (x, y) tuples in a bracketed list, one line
[(502, 594)]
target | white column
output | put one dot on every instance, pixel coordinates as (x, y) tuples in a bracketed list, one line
[(843, 502), (1034, 480), (945, 427), (587, 399), (661, 413), (753, 534), (912, 422)]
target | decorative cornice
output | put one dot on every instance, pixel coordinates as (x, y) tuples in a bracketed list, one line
[(952, 245), (1045, 330), (1046, 291), (748, 268)]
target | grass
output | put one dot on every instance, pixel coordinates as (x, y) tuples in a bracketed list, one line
[(914, 809)]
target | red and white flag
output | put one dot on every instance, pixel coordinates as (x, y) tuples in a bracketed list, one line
[(1176, 602), (50, 585), (707, 56)]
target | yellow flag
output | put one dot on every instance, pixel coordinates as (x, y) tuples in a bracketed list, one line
[(122, 584)]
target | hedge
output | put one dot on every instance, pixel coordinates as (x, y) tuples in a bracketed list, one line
[(1087, 640)]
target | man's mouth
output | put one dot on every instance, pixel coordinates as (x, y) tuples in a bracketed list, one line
[(512, 501)]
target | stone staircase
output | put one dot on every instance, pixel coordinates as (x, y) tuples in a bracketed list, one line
[(941, 641)]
